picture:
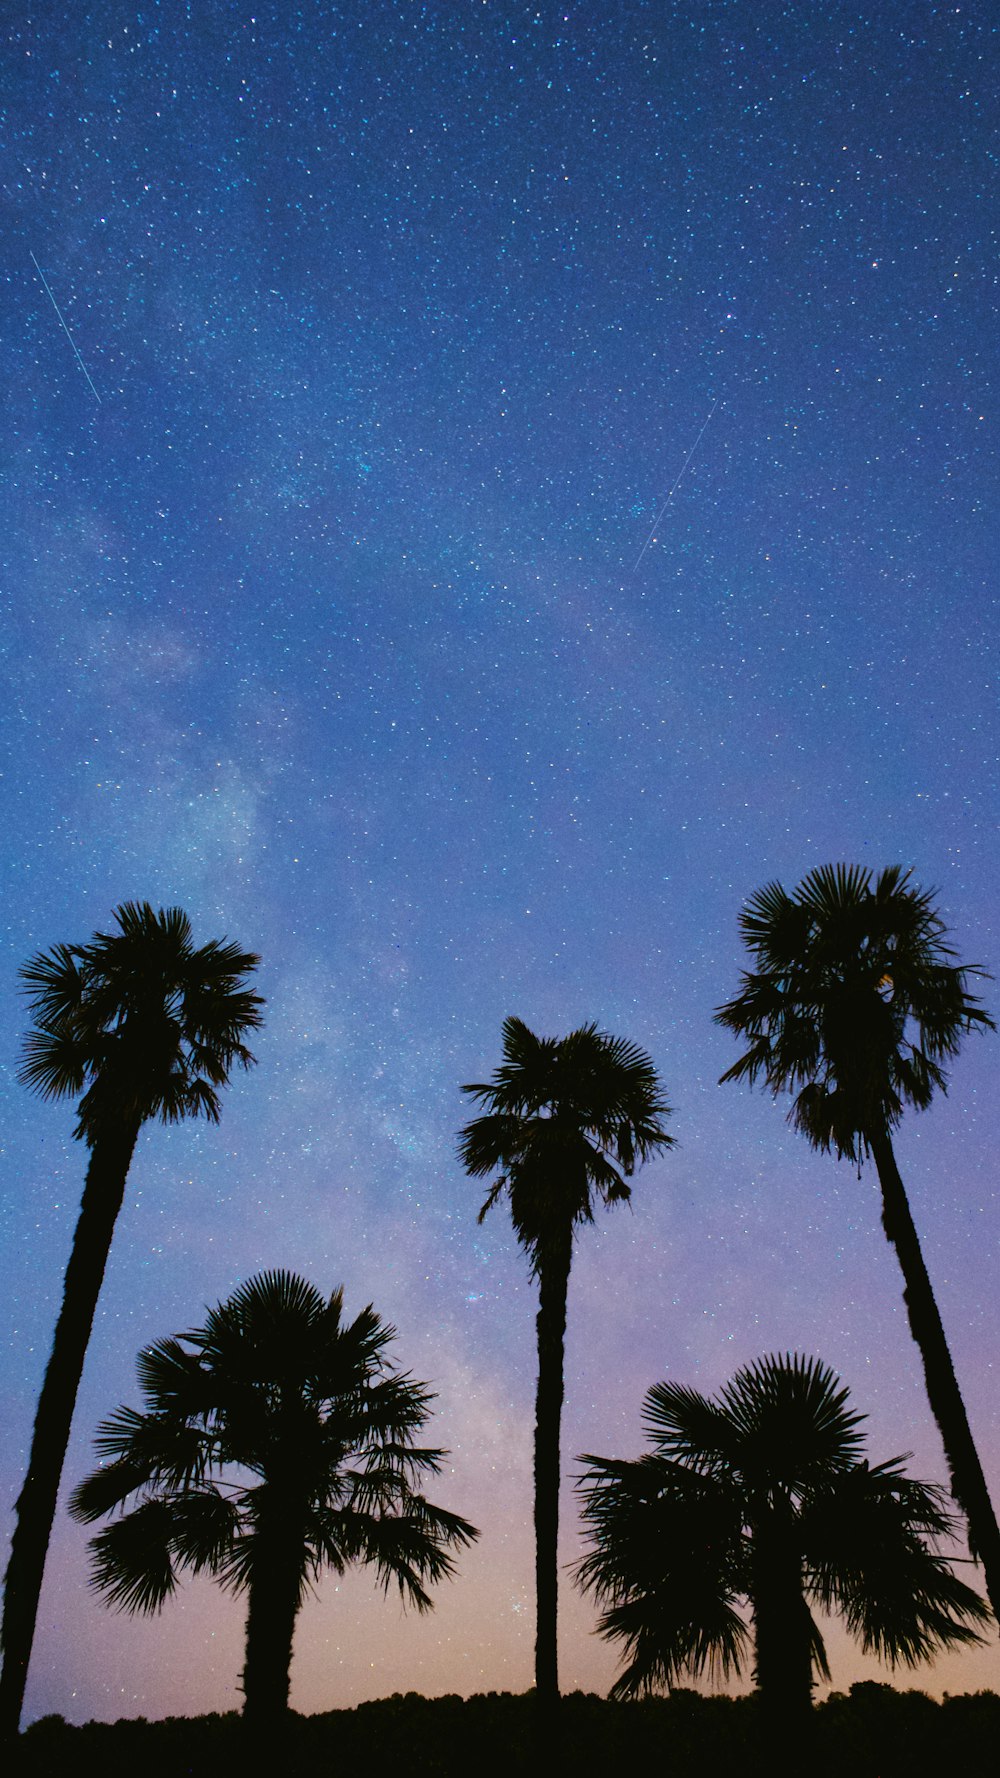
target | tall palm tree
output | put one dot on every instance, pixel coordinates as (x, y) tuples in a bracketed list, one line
[(854, 1006), (276, 1441), (566, 1120), (142, 1025), (762, 1497)]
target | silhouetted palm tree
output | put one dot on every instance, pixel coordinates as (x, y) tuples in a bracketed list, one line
[(275, 1387), (762, 1496), (854, 1006), (142, 1025), (567, 1120)]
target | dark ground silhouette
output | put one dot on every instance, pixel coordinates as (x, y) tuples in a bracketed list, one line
[(874, 1732)]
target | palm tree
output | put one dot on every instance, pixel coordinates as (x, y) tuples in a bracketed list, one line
[(142, 1025), (276, 1441), (566, 1119), (854, 1006), (762, 1497)]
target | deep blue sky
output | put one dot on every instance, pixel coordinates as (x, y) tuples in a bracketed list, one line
[(346, 619)]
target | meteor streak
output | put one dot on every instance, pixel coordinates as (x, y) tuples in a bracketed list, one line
[(657, 521), (65, 329)]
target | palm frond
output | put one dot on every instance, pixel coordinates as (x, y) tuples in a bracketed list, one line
[(206, 1526), (662, 1645), (54, 984), (410, 1549), (132, 1564), (668, 1563), (869, 1539), (272, 1299), (791, 1418), (105, 1489), (686, 1426), (171, 1378), (162, 1447), (54, 1063)]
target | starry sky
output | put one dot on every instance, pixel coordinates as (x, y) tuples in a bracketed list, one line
[(486, 487)]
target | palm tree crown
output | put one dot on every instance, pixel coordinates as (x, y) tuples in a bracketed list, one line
[(567, 1119), (276, 1441), (763, 1496), (855, 1004), (139, 1022)]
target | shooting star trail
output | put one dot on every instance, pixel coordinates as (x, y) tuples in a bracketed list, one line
[(659, 517), (65, 329)]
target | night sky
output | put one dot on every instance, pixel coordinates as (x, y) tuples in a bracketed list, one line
[(353, 603)]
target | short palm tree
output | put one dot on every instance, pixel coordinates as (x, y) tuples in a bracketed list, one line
[(276, 1441), (566, 1121), (854, 1006), (762, 1498), (139, 1024)]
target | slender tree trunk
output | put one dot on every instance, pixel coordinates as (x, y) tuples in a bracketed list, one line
[(102, 1200), (783, 1632), (553, 1279), (271, 1615), (968, 1484)]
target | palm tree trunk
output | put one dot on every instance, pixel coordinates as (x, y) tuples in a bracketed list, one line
[(271, 1615), (968, 1484), (783, 1631), (102, 1199), (553, 1279)]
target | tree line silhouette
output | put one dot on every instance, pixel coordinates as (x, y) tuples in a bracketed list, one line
[(761, 1498)]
